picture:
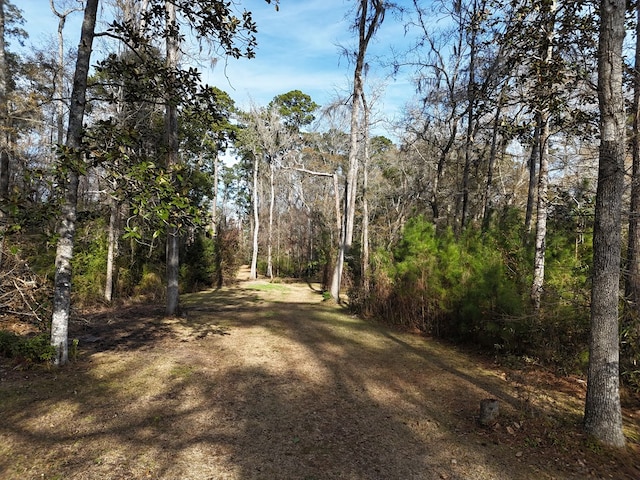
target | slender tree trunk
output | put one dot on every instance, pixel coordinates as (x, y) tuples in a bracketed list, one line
[(442, 160), (534, 159), (171, 113), (272, 201), (214, 200), (336, 196), (367, 26), (544, 115), (59, 79), (493, 153), (365, 199), (112, 248), (256, 222), (541, 217), (4, 117), (66, 230), (471, 100), (603, 416), (632, 284), (4, 134)]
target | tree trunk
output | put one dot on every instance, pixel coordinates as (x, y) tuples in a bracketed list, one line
[(534, 159), (603, 416), (471, 100), (256, 222), (171, 112), (272, 201), (4, 135), (543, 171), (4, 121), (214, 200), (112, 248), (66, 230), (365, 199), (367, 26), (59, 80), (542, 211), (632, 284), (493, 153)]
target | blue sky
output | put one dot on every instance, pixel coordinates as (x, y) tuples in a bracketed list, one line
[(298, 48)]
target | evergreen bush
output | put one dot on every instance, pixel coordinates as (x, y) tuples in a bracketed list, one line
[(32, 349), (446, 286)]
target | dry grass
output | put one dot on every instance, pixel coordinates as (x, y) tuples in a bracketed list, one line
[(266, 381)]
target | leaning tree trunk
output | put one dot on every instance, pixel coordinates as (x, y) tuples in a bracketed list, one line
[(603, 416), (67, 228)]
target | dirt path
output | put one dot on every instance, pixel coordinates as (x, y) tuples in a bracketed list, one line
[(267, 381)]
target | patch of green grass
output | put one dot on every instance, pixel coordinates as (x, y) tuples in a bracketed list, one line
[(182, 371), (268, 287)]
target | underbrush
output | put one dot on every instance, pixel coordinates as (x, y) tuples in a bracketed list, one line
[(474, 289), (30, 349)]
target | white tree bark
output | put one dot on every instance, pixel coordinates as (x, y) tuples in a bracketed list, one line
[(112, 248), (66, 230), (543, 116), (537, 285), (256, 222), (272, 202), (59, 81), (368, 23), (365, 197)]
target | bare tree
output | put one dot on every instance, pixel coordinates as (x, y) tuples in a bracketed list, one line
[(370, 16)]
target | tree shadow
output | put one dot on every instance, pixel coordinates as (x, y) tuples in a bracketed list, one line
[(333, 398)]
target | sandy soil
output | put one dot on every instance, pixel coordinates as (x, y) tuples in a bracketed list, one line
[(267, 381)]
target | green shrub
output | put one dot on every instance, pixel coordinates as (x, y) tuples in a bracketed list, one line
[(198, 268), (36, 348), (447, 286), (90, 262), (151, 285)]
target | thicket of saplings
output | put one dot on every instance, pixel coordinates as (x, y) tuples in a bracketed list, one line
[(475, 289), (470, 288)]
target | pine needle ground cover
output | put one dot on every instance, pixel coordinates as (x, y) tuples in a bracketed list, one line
[(264, 381)]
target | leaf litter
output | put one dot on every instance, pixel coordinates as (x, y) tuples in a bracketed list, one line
[(259, 382)]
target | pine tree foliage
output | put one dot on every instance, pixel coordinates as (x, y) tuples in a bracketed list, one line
[(452, 198)]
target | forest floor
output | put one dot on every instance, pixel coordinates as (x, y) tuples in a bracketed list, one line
[(266, 381)]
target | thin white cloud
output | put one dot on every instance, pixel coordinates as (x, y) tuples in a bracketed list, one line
[(299, 47)]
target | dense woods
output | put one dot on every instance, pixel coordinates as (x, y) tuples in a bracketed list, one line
[(501, 211)]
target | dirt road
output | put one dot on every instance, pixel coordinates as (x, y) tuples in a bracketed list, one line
[(267, 381)]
